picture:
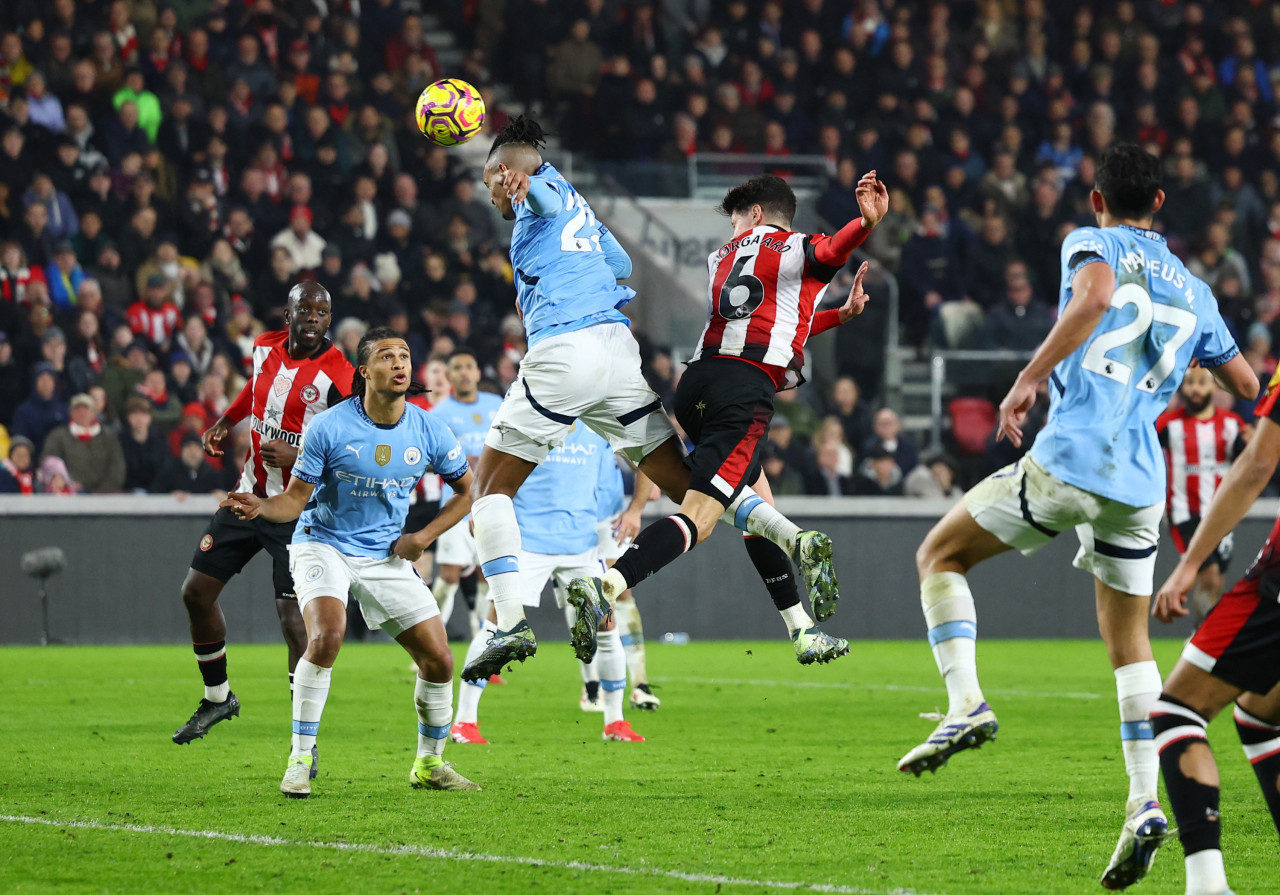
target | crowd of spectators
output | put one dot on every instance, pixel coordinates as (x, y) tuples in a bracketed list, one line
[(169, 170)]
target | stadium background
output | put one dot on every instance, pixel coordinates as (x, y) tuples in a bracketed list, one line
[(167, 171)]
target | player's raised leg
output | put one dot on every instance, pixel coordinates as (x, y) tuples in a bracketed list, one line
[(953, 547), (498, 476)]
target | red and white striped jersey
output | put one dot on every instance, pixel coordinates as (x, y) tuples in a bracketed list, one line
[(155, 325), (280, 398), (763, 289), (1197, 454)]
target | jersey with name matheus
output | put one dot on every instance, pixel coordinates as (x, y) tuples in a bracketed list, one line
[(563, 281), (556, 506), (365, 472), (469, 422), (1106, 395)]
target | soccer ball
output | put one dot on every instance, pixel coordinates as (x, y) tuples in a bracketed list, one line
[(450, 112)]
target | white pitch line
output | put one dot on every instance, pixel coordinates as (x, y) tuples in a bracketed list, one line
[(841, 685), (449, 854)]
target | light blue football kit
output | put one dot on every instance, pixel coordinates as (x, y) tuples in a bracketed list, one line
[(364, 473), (469, 422), (1105, 396)]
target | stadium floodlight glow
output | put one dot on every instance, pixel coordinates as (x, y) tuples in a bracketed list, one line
[(43, 564)]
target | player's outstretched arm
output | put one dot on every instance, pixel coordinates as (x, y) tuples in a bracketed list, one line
[(238, 410), (1092, 288), (284, 507), (1237, 377), (410, 546), (852, 307), (1241, 487)]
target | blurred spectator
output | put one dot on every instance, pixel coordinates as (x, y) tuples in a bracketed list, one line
[(798, 414), (155, 318), (783, 480), (145, 452), (43, 410), (91, 452), (1021, 321), (887, 435), (934, 478), (61, 221), (187, 473), (13, 381), (827, 479), (64, 275), (53, 478), (303, 244), (166, 410), (880, 475), (17, 475)]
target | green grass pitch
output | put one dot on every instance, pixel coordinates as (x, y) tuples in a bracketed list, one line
[(758, 775)]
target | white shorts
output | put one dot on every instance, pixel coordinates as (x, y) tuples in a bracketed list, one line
[(537, 568), (1025, 505), (608, 547), (457, 547), (391, 595), (592, 375)]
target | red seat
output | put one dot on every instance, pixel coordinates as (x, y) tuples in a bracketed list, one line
[(972, 422)]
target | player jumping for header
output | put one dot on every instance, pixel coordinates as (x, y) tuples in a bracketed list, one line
[(764, 287), (297, 373), (583, 364), (1131, 320), (350, 494)]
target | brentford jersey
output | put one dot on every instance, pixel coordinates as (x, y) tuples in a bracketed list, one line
[(1266, 567), (763, 289), (280, 398), (1198, 454)]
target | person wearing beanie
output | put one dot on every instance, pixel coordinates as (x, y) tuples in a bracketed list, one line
[(90, 450)]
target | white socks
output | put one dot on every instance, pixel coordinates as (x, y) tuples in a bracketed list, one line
[(1205, 873), (1137, 689), (310, 690), (469, 693), (613, 585), (796, 618), (612, 666), (434, 703), (498, 545), (631, 633), (444, 592), (953, 634), (752, 514)]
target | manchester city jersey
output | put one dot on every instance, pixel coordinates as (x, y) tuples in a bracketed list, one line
[(365, 472), (469, 422), (556, 505), (563, 282), (1105, 396)]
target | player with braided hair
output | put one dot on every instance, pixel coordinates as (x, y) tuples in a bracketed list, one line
[(584, 364)]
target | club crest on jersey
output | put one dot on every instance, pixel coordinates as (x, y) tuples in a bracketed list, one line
[(281, 385), (206, 542), (477, 418), (412, 455), (314, 572), (309, 394), (382, 454)]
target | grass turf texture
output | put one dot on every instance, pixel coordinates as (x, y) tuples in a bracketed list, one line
[(756, 770)]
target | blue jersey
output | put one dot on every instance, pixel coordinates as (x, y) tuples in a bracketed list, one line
[(563, 279), (1105, 396), (611, 496), (365, 472), (556, 505), (469, 422)]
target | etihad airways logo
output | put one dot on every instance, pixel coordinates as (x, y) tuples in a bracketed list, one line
[(373, 482)]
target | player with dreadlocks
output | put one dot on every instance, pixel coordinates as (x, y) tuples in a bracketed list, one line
[(350, 492), (584, 364)]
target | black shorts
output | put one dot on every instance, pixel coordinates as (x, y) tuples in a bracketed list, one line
[(1239, 640), (1221, 555), (420, 515), (724, 405), (230, 542)]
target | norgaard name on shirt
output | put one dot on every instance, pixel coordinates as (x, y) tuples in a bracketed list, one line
[(765, 240)]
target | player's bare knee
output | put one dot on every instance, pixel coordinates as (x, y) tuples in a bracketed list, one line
[(435, 666), (197, 595), (323, 646)]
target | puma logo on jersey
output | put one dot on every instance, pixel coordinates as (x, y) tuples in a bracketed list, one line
[(355, 450)]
